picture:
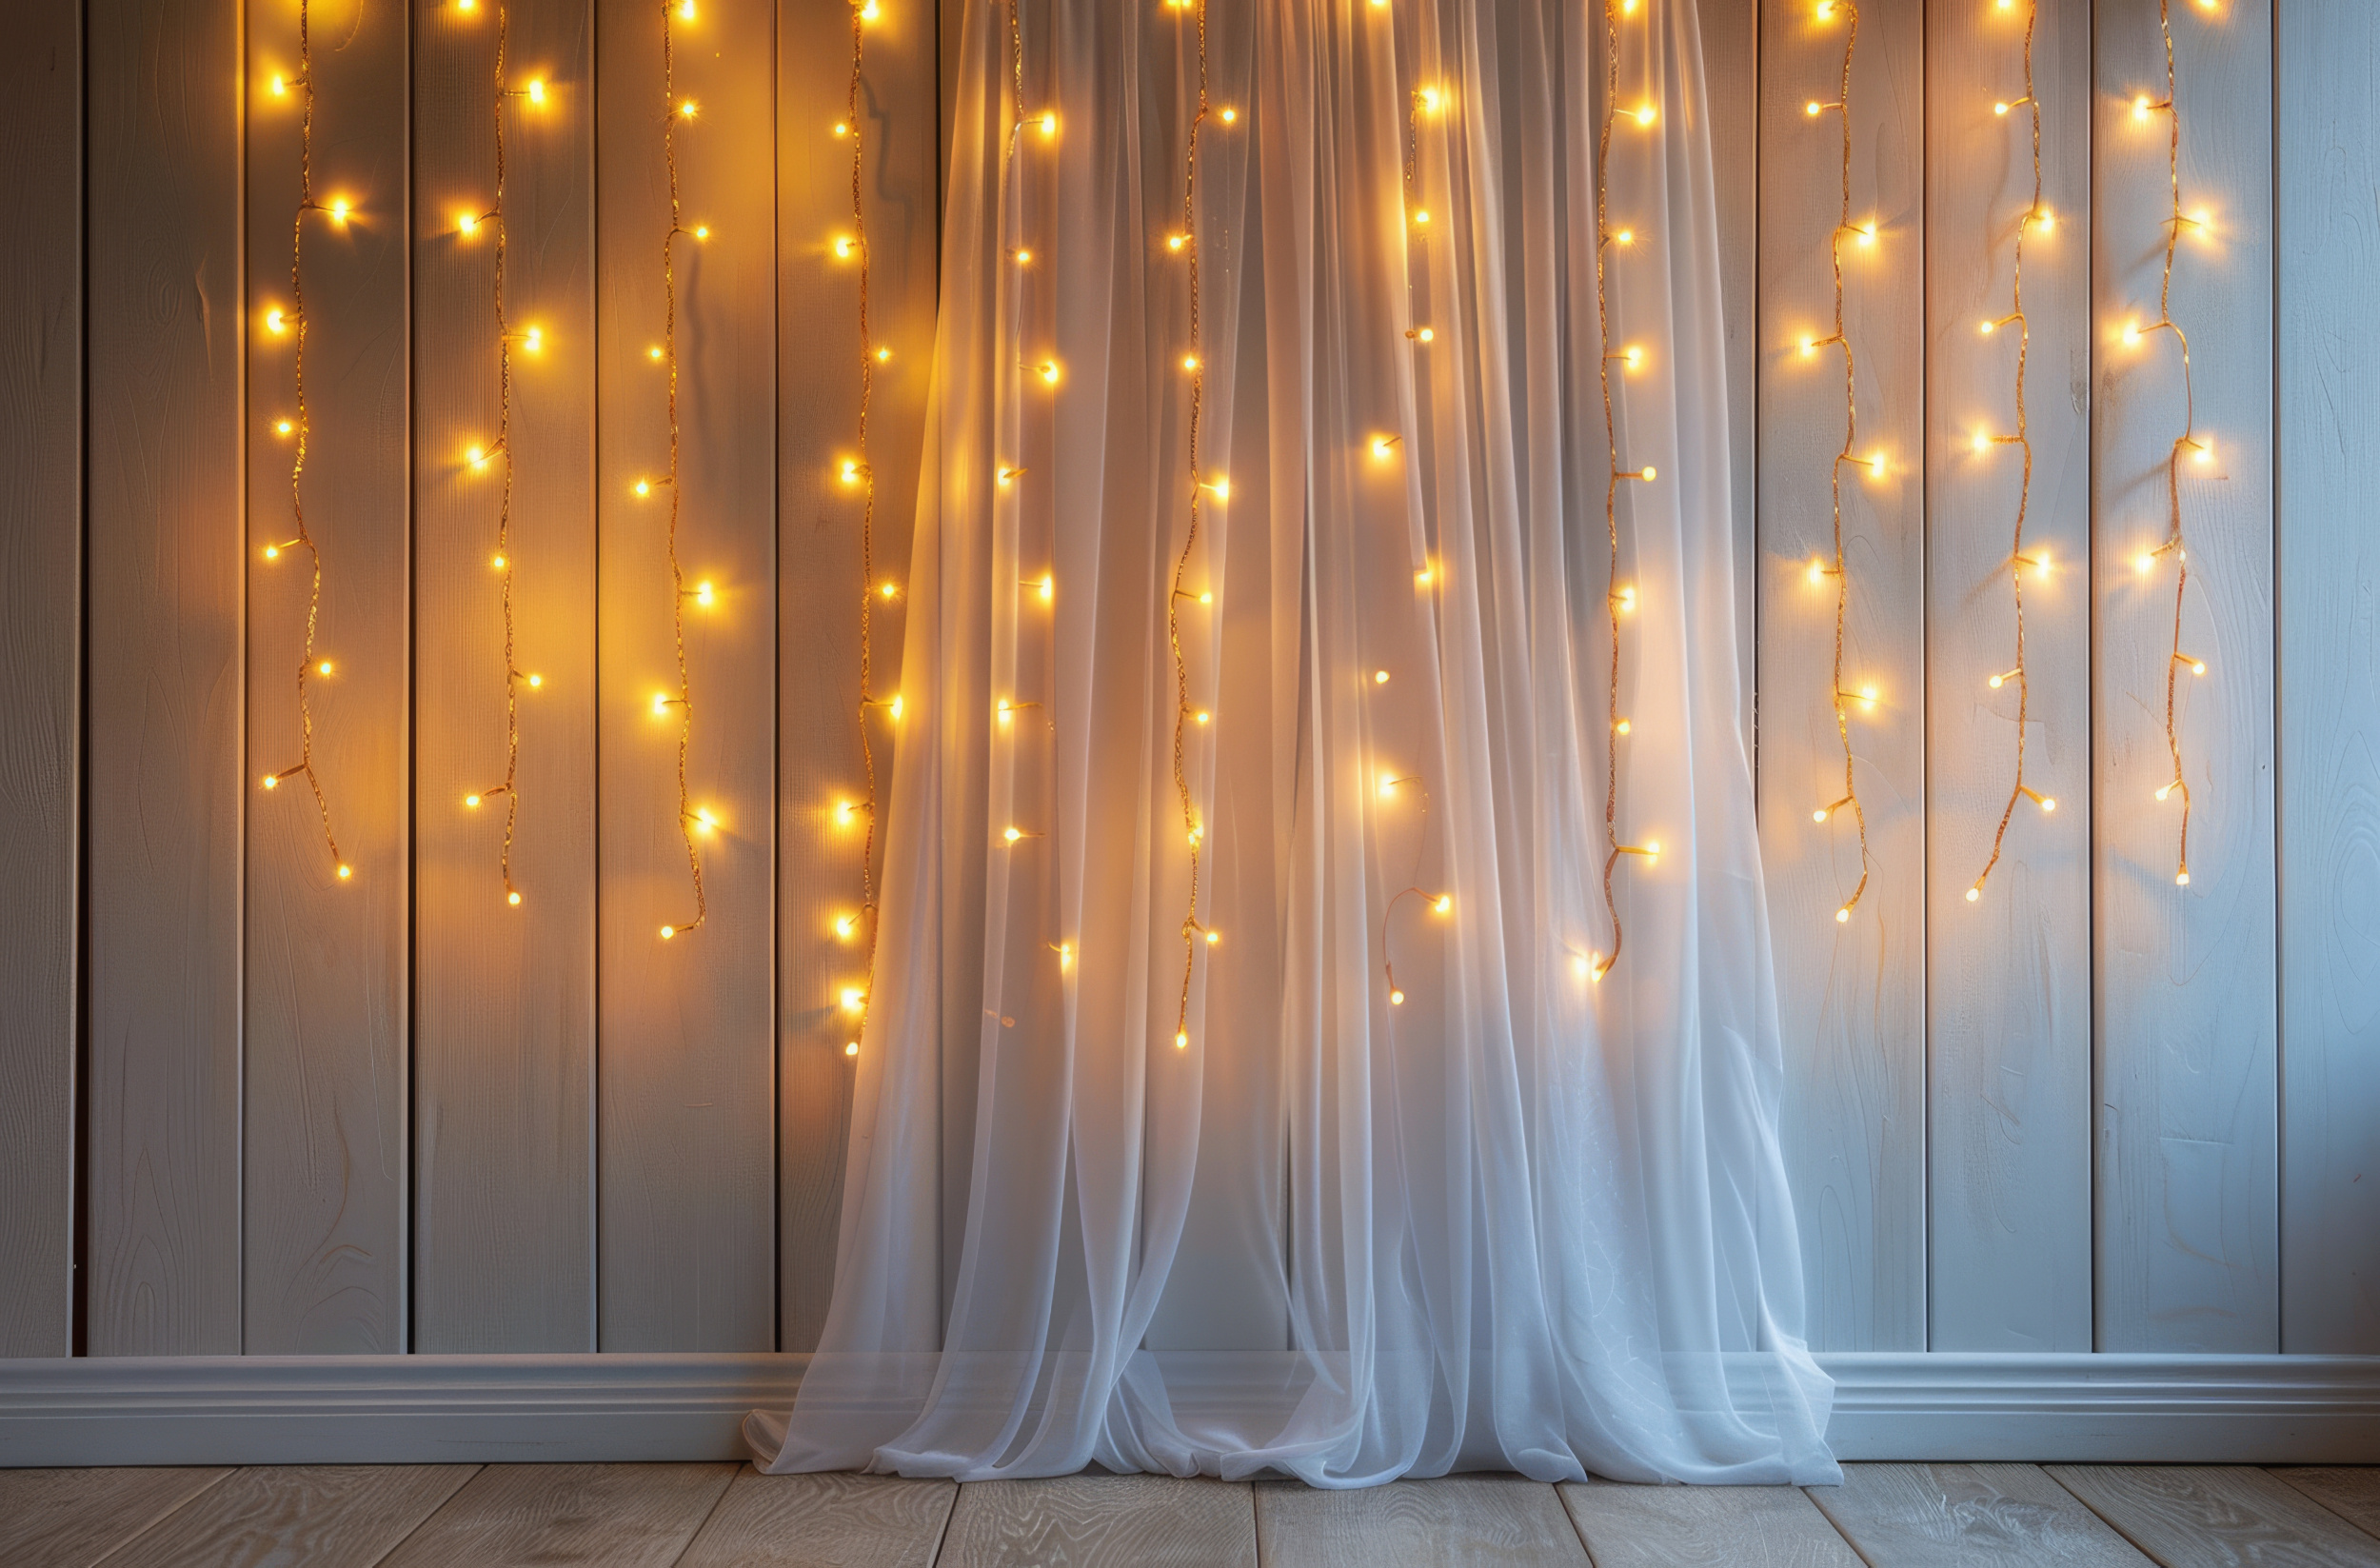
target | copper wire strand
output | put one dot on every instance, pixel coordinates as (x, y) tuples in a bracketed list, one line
[(1603, 241), (865, 473), (2173, 545), (302, 431), (1191, 831), (510, 788), (685, 699), (2023, 440), (1841, 569)]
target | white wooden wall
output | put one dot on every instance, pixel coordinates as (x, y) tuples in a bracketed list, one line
[(244, 1109)]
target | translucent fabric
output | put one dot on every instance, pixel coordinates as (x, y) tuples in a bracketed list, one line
[(1497, 1213)]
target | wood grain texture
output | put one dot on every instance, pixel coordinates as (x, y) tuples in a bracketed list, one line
[(814, 1521), (504, 1022), (2008, 997), (1853, 996), (70, 1518), (568, 1515), (278, 1516), (686, 1168), (163, 713), (1704, 1527), (1731, 88), (2350, 1491), (326, 987), (1975, 1516), (41, 597), (2211, 1516), (2188, 1167), (2327, 228), (1079, 1522), (1454, 1520), (818, 582)]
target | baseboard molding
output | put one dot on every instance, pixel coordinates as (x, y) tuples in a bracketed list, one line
[(395, 1409)]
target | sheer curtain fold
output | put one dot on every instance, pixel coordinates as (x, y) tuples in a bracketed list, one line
[(1493, 1213)]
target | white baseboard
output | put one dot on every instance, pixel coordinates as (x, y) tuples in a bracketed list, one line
[(394, 1409)]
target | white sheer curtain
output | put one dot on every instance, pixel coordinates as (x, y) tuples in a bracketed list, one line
[(1522, 1219)]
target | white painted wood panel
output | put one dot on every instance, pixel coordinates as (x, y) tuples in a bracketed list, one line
[(41, 630), (2008, 986), (163, 340), (325, 983), (1852, 994), (2328, 607), (505, 1022), (819, 581), (686, 1042), (2188, 1158)]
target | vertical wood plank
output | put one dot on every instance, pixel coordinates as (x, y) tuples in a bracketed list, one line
[(2009, 975), (686, 1205), (2187, 1157), (325, 987), (164, 719), (1731, 88), (819, 586), (1852, 994), (41, 598), (505, 1053), (2329, 229)]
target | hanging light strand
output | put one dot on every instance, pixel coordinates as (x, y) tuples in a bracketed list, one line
[(506, 562), (298, 428), (675, 111), (1620, 600), (2035, 216), (1192, 829), (1838, 567), (2177, 660), (862, 473)]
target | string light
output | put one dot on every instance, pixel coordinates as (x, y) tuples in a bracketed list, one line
[(859, 472), (1621, 600), (1194, 831), (684, 700), (300, 426), (2188, 440), (2036, 215), (1839, 565), (532, 340)]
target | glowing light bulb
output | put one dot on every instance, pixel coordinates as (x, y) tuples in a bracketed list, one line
[(891, 590), (1379, 676), (1012, 834), (1421, 218), (884, 356), (844, 248), (1049, 371), (1025, 258), (1384, 448), (842, 128), (844, 811), (1189, 361), (851, 1047), (1444, 903), (1388, 787), (686, 11), (2044, 219), (1222, 489), (471, 800), (272, 781), (1208, 598), (1868, 698), (1172, 242), (280, 88), (2199, 666), (685, 110), (1628, 600), (853, 999), (1865, 233), (1202, 716), (705, 821), (844, 925), (869, 11), (346, 872), (1809, 345), (2205, 452), (1652, 850), (339, 209), (1999, 108), (1004, 709), (275, 322), (850, 472), (1875, 465), (1229, 115), (1214, 937), (1644, 114), (896, 708), (284, 427), (1396, 999), (1626, 236), (1812, 108), (1048, 588), (323, 668), (1422, 334), (537, 90), (1988, 328), (2164, 791), (1182, 1041), (1423, 578), (1817, 572), (1975, 893), (1821, 814), (2144, 562), (1430, 100), (661, 704), (2181, 879), (642, 488), (2132, 333), (534, 340), (704, 594), (2140, 106), (536, 680), (1647, 474), (513, 899), (1065, 955), (1049, 125), (1632, 357), (2048, 804), (1983, 442)]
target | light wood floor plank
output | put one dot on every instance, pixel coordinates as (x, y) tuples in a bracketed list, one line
[(321, 1515), (1969, 1515), (2217, 1516), (824, 1521), (568, 1515), (2353, 1492), (70, 1518), (1453, 1520), (1704, 1527), (1089, 1521)]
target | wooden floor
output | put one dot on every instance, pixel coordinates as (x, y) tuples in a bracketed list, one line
[(711, 1516)]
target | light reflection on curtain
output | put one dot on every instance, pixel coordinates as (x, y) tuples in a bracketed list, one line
[(1522, 1221)]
